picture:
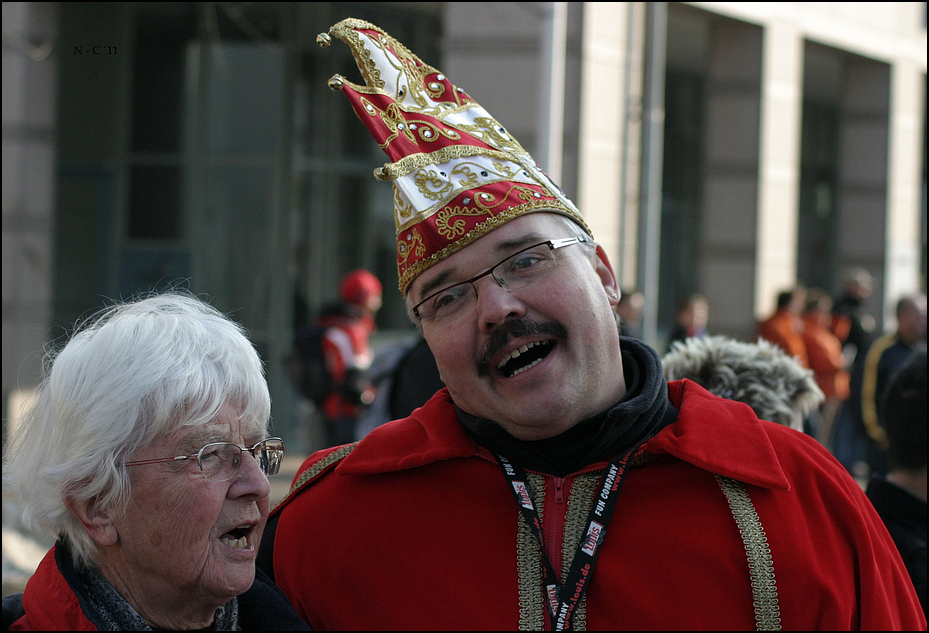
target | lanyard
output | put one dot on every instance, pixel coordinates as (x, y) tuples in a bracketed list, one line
[(562, 601)]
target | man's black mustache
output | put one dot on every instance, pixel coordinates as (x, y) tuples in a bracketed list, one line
[(515, 329)]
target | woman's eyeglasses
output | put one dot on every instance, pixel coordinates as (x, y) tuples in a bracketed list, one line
[(220, 461)]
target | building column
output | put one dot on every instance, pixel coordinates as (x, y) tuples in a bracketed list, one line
[(907, 135), (778, 173), (861, 191), (727, 249), (30, 79), (609, 130)]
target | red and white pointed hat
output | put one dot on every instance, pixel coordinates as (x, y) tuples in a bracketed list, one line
[(457, 173)]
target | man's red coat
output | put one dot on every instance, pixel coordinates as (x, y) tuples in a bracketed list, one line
[(415, 529)]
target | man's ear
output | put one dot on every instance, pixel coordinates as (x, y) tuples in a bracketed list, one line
[(607, 276), (97, 521)]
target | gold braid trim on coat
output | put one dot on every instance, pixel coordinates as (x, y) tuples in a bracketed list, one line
[(580, 499), (315, 470)]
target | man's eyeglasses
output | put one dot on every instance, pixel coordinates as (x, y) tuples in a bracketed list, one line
[(520, 269), (220, 461)]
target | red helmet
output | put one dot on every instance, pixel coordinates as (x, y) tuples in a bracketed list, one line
[(358, 287)]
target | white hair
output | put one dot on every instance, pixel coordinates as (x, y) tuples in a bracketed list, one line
[(136, 372)]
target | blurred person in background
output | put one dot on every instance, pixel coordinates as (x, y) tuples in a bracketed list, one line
[(146, 454), (884, 357), (630, 309), (691, 318), (852, 323), (405, 376), (348, 354), (784, 327), (900, 497), (824, 352)]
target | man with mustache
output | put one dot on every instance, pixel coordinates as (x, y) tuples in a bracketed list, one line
[(558, 482)]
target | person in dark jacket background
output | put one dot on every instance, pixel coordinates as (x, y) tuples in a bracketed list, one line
[(900, 497), (885, 356), (851, 320)]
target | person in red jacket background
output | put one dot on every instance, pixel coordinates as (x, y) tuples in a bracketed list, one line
[(824, 352), (558, 481), (784, 327), (348, 354)]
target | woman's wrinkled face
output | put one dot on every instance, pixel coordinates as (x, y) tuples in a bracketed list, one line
[(187, 539)]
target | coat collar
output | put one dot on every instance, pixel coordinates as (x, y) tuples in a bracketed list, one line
[(431, 434), (721, 436)]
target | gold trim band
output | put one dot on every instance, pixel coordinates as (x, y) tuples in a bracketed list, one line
[(760, 565), (310, 473), (580, 497)]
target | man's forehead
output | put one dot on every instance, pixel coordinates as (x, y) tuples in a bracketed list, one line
[(485, 251)]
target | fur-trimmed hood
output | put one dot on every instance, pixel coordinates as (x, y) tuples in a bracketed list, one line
[(759, 374)]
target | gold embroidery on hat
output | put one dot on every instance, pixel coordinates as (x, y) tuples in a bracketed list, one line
[(403, 209), (431, 185), (411, 163), (527, 194), (499, 170), (449, 230), (412, 67), (487, 201), (435, 89), (448, 109), (397, 125), (482, 229), (468, 177), (506, 170), (345, 31), (437, 185), (416, 247), (488, 130)]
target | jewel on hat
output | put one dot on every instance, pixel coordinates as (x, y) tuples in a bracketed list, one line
[(457, 173)]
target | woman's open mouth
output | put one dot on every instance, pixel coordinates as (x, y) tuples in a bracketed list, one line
[(237, 537)]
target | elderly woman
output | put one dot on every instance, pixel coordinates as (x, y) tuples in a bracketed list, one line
[(147, 455)]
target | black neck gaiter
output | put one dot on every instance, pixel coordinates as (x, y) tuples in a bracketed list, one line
[(642, 412)]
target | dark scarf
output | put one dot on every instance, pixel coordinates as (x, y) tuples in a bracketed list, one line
[(642, 412), (119, 615), (109, 611)]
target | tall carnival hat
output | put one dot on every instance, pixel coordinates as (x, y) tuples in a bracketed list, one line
[(457, 173)]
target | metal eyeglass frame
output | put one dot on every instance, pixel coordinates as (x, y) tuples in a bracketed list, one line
[(552, 244), (273, 465)]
